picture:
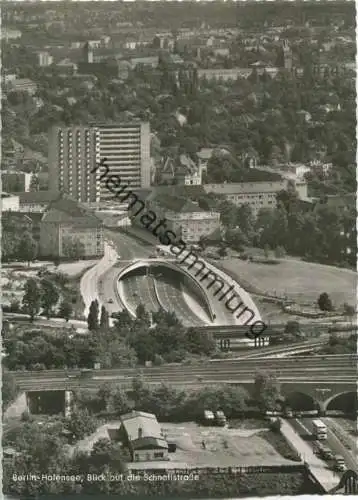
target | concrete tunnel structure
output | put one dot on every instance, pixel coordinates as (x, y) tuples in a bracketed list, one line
[(212, 304)]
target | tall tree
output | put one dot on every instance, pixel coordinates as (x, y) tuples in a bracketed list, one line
[(92, 318), (32, 298), (266, 390), (9, 389), (123, 320), (81, 424), (324, 302), (28, 248), (66, 310), (73, 248), (104, 321), (49, 297)]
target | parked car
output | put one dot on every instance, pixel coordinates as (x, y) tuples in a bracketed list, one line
[(208, 418), (325, 453), (339, 463), (220, 418)]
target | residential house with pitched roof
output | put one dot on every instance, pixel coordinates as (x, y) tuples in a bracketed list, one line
[(143, 436), (65, 221), (182, 170)]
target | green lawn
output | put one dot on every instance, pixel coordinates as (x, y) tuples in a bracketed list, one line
[(301, 281)]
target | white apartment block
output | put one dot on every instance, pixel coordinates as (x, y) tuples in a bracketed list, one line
[(256, 194), (73, 155), (127, 149)]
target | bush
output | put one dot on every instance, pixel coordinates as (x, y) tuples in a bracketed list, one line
[(278, 441), (15, 306), (158, 360), (26, 416)]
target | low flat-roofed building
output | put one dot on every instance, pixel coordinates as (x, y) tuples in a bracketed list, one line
[(142, 434), (15, 182), (152, 61), (23, 85), (36, 201), (9, 202)]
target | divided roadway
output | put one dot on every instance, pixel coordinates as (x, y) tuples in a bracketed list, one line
[(304, 427), (137, 290)]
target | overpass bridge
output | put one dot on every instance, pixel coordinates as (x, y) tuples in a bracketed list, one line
[(321, 379), (321, 392)]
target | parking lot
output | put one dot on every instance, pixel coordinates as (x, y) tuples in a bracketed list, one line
[(220, 447)]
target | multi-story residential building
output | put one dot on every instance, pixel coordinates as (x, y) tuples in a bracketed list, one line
[(73, 153), (67, 222), (9, 202), (36, 201), (23, 85), (151, 61), (184, 217), (235, 73), (14, 182), (127, 149), (44, 59), (256, 194), (293, 175)]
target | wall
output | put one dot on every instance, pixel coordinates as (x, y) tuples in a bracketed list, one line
[(149, 455)]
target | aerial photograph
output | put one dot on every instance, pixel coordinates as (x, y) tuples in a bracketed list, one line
[(178, 249)]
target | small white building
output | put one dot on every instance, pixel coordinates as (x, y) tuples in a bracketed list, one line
[(142, 434), (9, 202)]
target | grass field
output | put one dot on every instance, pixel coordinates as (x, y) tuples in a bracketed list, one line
[(223, 447), (301, 281)]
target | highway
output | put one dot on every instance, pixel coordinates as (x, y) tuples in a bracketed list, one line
[(139, 290), (305, 428), (170, 293)]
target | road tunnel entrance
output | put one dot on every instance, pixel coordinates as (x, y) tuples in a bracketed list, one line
[(46, 402), (345, 402), (299, 401)]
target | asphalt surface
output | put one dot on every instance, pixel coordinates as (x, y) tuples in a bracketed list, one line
[(171, 297), (333, 441), (140, 289), (327, 478)]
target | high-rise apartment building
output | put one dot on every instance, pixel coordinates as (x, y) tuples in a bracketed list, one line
[(127, 149), (75, 151)]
